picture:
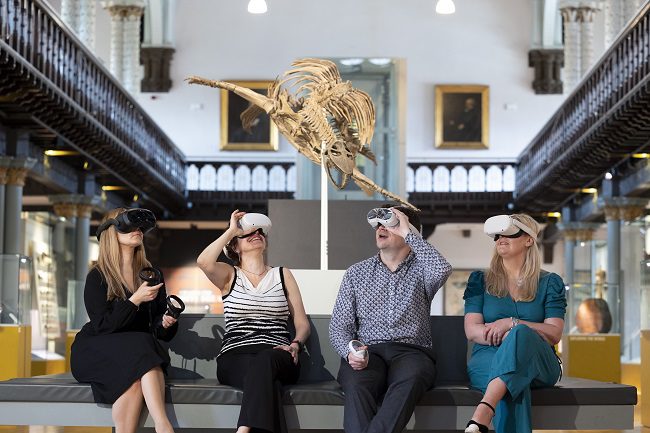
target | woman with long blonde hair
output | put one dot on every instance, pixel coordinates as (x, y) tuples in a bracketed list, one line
[(117, 351), (514, 313)]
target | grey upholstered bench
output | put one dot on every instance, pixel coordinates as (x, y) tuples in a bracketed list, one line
[(197, 401)]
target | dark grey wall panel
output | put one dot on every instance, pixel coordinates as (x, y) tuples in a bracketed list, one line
[(295, 238)]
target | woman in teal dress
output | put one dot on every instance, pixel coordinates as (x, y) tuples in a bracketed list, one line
[(514, 314)]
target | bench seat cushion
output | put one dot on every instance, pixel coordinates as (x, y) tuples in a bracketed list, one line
[(64, 388)]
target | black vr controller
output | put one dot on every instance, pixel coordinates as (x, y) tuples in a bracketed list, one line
[(153, 276), (130, 221)]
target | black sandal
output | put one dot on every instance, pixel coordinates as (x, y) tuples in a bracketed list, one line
[(475, 427)]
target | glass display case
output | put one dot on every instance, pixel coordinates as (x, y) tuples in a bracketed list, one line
[(592, 304), (17, 279)]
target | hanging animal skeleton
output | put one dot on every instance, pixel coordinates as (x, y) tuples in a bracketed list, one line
[(317, 112)]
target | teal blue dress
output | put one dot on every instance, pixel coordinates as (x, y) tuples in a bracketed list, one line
[(524, 360)]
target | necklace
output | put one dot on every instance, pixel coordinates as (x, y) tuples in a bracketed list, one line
[(253, 273)]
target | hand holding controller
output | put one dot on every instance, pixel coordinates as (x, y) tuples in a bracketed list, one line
[(355, 347)]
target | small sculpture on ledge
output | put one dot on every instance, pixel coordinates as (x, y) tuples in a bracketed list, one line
[(593, 315), (317, 112)]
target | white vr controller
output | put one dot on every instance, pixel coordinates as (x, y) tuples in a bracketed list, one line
[(254, 221), (355, 347)]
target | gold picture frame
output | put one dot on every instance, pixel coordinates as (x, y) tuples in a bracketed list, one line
[(264, 135), (462, 117)]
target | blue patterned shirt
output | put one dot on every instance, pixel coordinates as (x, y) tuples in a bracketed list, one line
[(375, 305)]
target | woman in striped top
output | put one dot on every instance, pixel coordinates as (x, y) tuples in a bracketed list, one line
[(257, 354)]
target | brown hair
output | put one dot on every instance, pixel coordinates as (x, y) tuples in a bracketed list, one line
[(412, 215), (496, 279), (231, 253), (110, 259)]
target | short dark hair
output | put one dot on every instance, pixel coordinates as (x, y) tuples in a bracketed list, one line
[(411, 214)]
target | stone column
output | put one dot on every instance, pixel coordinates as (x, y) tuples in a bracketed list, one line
[(77, 208), (86, 24), (617, 14), (17, 170), (66, 213), (70, 13), (125, 41), (569, 265), (117, 43), (618, 210), (586, 37), (612, 215), (572, 51), (578, 39), (82, 234), (79, 15)]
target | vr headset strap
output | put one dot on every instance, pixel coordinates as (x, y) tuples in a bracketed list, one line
[(106, 224)]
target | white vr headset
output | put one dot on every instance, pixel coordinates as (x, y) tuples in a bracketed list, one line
[(252, 222), (387, 218), (506, 226)]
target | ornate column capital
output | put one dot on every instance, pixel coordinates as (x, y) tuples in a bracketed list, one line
[(622, 208), (74, 205), (16, 169), (84, 210), (122, 9), (578, 231), (65, 210)]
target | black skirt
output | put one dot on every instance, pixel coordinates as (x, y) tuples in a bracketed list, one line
[(111, 363)]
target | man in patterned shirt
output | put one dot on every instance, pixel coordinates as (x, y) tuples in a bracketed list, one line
[(385, 302)]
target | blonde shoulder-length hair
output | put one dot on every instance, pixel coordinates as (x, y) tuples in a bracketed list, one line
[(110, 259), (496, 279)]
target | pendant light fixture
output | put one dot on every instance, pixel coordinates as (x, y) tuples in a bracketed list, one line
[(445, 7), (257, 6)]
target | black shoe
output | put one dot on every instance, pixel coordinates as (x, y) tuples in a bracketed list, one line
[(475, 427)]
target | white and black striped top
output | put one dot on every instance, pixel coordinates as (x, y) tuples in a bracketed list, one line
[(256, 315)]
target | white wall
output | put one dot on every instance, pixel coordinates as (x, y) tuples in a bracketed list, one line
[(485, 42)]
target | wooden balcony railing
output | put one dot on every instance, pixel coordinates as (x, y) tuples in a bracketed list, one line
[(602, 121), (46, 71)]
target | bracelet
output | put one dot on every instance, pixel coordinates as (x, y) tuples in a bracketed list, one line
[(515, 322), (300, 344)]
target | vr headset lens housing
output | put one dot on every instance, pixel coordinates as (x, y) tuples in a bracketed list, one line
[(130, 221), (383, 216), (506, 226), (386, 217)]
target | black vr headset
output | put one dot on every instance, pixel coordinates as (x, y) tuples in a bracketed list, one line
[(130, 221)]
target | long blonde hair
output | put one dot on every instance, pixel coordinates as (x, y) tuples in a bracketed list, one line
[(496, 278), (110, 260)]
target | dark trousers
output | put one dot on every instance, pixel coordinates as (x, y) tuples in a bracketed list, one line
[(261, 376), (381, 398)]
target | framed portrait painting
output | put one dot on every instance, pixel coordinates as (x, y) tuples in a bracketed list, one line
[(262, 136), (453, 292), (462, 117)]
